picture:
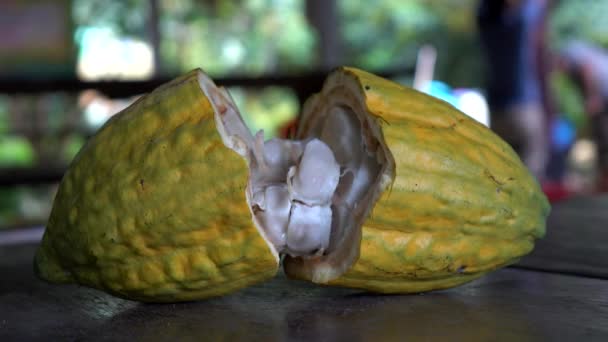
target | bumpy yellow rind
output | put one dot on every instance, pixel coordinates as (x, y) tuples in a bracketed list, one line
[(153, 207), (461, 203)]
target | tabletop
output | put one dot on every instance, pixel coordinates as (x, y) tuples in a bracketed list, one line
[(559, 292)]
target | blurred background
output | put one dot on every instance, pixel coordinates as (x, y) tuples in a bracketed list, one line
[(66, 66)]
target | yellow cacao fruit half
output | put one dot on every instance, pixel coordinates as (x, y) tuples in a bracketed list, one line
[(384, 189), (453, 201), (153, 207)]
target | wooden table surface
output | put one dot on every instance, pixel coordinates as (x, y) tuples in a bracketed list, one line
[(576, 240), (558, 293)]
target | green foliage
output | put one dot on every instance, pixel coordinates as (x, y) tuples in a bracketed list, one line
[(568, 98), (388, 35), (4, 123), (9, 200), (16, 151), (125, 17), (72, 147), (267, 109), (582, 19), (25, 205), (236, 36)]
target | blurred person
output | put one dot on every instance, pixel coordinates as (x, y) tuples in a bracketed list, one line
[(587, 66), (513, 38)]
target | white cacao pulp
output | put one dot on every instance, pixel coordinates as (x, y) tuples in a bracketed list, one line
[(294, 208), (305, 195)]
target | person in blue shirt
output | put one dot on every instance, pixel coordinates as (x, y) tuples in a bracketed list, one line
[(512, 35)]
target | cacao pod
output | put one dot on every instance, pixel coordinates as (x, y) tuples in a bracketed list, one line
[(384, 188)]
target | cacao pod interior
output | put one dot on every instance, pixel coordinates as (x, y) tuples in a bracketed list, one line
[(309, 197)]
